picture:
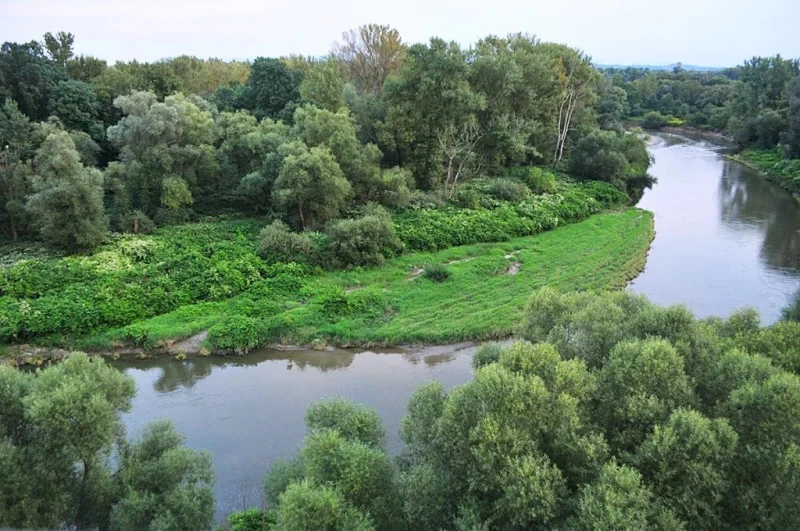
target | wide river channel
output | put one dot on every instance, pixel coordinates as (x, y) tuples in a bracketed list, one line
[(725, 238)]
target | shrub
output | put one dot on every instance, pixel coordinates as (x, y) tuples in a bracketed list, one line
[(486, 354), (437, 273), (137, 222), (367, 240), (277, 243), (237, 334), (507, 190), (248, 520), (654, 120), (540, 181)]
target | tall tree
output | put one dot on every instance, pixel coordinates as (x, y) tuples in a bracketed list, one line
[(59, 47), (311, 188), (371, 54), (67, 208), (15, 150), (29, 77), (270, 87)]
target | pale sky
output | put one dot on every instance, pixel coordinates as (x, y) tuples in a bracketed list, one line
[(700, 32)]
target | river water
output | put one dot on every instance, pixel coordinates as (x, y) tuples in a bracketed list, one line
[(725, 238)]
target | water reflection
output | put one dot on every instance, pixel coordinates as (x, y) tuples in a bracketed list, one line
[(248, 411), (725, 236), (174, 375), (748, 198)]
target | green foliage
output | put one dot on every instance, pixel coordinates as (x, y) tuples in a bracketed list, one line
[(270, 87), (507, 190), (437, 273), (368, 240), (612, 157), (673, 427), (237, 334), (67, 208), (248, 520), (304, 506), (165, 485), (59, 428), (353, 422), (429, 229), (277, 243), (654, 120)]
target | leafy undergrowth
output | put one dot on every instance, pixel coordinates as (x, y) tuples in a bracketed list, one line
[(396, 303), (785, 171)]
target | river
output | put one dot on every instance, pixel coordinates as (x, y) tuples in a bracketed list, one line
[(725, 238)]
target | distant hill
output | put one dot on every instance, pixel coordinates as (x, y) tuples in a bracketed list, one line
[(669, 67)]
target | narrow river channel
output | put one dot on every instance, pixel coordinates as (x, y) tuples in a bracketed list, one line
[(725, 238)]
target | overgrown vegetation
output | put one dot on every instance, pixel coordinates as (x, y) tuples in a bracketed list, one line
[(65, 461), (394, 304), (613, 413)]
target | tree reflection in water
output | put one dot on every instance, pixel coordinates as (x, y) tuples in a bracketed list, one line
[(185, 374), (748, 201)]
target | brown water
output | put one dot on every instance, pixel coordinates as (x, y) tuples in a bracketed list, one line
[(248, 411)]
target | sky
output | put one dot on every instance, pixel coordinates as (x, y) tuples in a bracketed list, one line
[(698, 32)]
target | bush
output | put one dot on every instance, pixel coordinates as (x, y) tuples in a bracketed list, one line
[(137, 222), (367, 240), (540, 181), (507, 189), (437, 273), (277, 243), (654, 120), (248, 520), (237, 334)]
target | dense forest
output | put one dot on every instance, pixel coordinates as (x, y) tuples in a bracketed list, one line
[(757, 104), (89, 147)]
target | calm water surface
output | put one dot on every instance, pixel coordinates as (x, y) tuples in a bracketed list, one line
[(248, 411), (725, 238)]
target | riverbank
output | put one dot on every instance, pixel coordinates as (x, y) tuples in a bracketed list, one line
[(396, 303), (769, 164)]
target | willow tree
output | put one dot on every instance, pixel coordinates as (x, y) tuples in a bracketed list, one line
[(67, 208)]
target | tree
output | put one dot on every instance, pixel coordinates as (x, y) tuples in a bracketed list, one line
[(28, 77), (458, 150), (166, 148), (431, 94), (67, 208), (617, 500), (270, 88), (305, 506), (75, 104), (638, 388), (370, 54), (15, 149), (311, 188), (355, 423), (59, 47), (686, 463), (85, 68), (165, 484), (323, 86), (337, 132)]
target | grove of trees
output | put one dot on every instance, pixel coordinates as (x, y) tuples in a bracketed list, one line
[(306, 141), (609, 413)]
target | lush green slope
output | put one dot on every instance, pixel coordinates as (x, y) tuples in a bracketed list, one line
[(396, 303)]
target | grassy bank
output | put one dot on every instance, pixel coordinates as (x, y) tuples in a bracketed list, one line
[(785, 172), (396, 303)]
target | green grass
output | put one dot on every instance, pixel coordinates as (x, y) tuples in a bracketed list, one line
[(390, 305)]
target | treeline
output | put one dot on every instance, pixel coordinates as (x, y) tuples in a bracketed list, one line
[(613, 414), (756, 103), (66, 463), (90, 147)]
